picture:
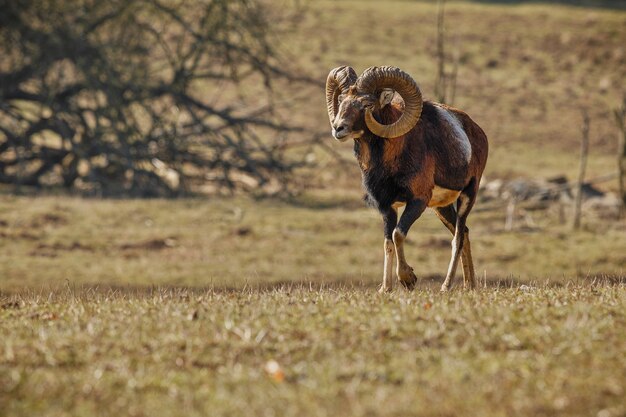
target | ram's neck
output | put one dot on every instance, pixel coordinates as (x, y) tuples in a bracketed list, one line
[(363, 152), (373, 150), (391, 113)]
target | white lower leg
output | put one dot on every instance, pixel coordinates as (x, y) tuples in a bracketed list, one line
[(469, 280), (454, 261), (388, 268), (404, 271), (460, 236)]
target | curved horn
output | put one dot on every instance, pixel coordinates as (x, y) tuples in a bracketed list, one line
[(338, 81), (373, 80)]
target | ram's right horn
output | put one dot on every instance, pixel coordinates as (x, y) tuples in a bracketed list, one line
[(375, 79)]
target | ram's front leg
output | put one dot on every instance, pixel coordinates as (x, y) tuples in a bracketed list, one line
[(390, 218), (412, 212)]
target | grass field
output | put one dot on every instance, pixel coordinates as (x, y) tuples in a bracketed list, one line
[(299, 351), (268, 307), (155, 307), (234, 242)]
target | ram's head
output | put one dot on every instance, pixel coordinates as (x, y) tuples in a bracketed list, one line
[(353, 101)]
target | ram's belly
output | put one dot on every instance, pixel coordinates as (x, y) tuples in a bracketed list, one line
[(443, 197)]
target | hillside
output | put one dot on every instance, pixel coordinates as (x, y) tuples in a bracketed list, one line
[(525, 72)]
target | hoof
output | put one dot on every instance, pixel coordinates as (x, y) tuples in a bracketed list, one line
[(384, 290), (408, 279), (444, 288), (469, 286)]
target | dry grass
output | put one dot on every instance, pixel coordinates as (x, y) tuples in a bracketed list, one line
[(233, 242), (265, 307), (330, 350)]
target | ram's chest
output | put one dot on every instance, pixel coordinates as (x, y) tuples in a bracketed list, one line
[(380, 154), (382, 191), (363, 154)]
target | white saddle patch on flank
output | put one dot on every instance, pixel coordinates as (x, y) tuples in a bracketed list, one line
[(459, 134)]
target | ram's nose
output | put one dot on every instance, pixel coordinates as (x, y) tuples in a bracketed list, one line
[(340, 132)]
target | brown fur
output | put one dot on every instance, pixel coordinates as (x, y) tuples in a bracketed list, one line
[(363, 156), (478, 141), (422, 185), (393, 147), (429, 155), (433, 157), (430, 165)]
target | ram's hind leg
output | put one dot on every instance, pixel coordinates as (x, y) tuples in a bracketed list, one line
[(469, 277), (465, 203), (447, 215), (413, 210)]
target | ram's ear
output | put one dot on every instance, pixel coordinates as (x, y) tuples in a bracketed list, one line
[(385, 97)]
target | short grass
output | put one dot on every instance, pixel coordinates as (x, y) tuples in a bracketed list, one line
[(264, 307), (320, 351), (234, 242), (237, 306)]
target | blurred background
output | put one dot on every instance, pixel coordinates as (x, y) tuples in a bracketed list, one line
[(165, 142)]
